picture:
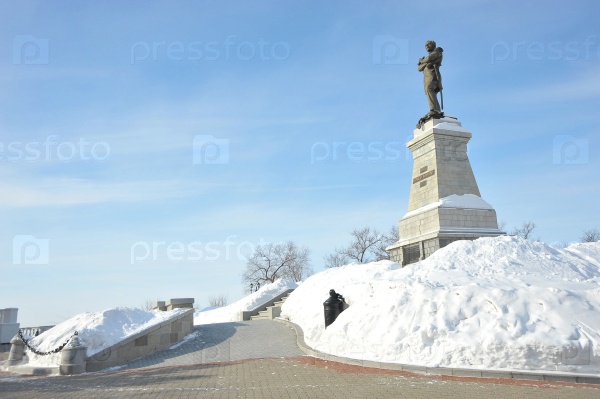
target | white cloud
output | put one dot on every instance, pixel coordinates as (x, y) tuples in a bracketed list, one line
[(38, 192)]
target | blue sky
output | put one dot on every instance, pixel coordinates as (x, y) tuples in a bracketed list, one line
[(148, 146)]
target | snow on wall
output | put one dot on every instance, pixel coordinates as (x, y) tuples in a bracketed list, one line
[(466, 201), (96, 330)]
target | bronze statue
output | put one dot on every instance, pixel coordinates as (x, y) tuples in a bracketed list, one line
[(430, 66)]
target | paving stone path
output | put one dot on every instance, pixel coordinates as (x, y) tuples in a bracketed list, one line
[(225, 342), (259, 359)]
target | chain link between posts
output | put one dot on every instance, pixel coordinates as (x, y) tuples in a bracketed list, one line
[(37, 352)]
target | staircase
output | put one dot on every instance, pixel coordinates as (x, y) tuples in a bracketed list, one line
[(272, 311)]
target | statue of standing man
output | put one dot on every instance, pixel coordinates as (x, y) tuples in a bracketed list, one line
[(430, 66)]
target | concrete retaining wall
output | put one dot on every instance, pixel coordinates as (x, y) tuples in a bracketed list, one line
[(145, 342)]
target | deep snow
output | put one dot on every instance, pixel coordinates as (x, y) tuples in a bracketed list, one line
[(499, 303)]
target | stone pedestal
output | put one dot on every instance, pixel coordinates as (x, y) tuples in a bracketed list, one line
[(8, 324), (178, 303), (17, 351), (445, 204), (174, 303), (73, 358)]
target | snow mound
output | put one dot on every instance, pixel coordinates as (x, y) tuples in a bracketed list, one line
[(231, 312), (96, 330), (494, 303)]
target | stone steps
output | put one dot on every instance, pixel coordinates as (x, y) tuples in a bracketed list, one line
[(271, 312), (268, 310)]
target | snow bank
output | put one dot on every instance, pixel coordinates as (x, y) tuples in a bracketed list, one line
[(96, 330), (231, 312), (496, 303)]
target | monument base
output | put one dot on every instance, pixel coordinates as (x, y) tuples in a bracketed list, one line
[(445, 204), (427, 229), (406, 253)]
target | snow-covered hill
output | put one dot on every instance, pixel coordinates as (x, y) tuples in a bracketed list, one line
[(501, 303)]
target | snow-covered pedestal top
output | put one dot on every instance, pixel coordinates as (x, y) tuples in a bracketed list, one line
[(466, 201)]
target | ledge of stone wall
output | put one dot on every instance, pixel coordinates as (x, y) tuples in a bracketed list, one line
[(517, 375), (150, 340)]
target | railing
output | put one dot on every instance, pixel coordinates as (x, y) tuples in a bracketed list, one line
[(34, 331)]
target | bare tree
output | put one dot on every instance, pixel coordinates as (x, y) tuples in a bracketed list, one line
[(299, 268), (387, 239), (502, 225), (148, 304), (218, 301), (367, 245), (336, 259), (591, 235), (525, 231), (364, 241), (272, 261)]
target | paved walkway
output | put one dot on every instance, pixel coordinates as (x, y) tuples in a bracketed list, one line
[(214, 364), (224, 342)]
